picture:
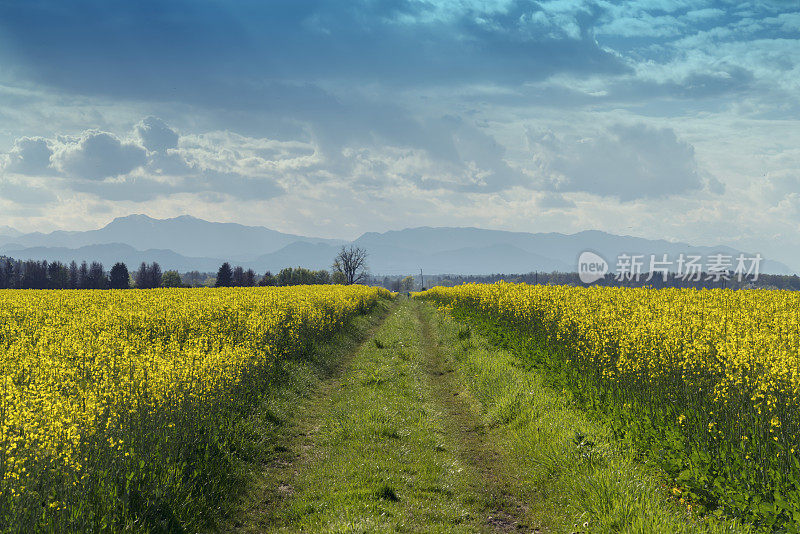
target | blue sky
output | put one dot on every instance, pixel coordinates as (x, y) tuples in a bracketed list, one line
[(658, 118)]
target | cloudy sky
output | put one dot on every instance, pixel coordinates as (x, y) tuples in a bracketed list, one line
[(675, 119)]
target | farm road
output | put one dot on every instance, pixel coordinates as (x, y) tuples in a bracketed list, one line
[(392, 443)]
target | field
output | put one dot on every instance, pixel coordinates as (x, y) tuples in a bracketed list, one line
[(705, 382), (115, 403), (478, 408)]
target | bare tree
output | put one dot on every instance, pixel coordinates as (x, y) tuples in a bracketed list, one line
[(352, 263)]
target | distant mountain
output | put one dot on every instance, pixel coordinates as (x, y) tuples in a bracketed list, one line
[(185, 235), (8, 232), (550, 249), (309, 255), (186, 243)]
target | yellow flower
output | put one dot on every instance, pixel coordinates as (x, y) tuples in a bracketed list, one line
[(77, 363)]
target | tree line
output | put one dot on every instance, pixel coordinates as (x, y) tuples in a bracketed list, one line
[(348, 267), (31, 274)]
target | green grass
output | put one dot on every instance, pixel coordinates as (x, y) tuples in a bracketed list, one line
[(376, 455), (262, 450)]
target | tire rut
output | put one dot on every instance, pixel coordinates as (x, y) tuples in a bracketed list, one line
[(504, 513)]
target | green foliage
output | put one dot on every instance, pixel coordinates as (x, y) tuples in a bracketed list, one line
[(407, 283), (171, 279), (297, 276), (268, 280)]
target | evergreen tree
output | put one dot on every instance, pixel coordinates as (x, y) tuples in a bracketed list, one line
[(155, 275), (58, 275), (224, 275), (83, 276), (97, 276), (73, 275), (141, 278), (238, 277), (120, 278), (5, 273)]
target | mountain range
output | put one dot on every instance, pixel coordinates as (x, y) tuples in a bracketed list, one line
[(186, 243)]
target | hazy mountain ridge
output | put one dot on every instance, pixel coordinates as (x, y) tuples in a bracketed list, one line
[(185, 235), (187, 243)]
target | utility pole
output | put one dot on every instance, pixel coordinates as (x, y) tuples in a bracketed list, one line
[(421, 280)]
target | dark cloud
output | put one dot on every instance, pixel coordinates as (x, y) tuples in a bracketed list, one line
[(155, 135), (626, 161), (31, 156), (209, 51)]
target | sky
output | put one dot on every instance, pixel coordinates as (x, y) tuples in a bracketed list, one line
[(668, 119)]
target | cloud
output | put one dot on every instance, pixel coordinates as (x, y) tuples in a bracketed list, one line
[(155, 135), (127, 188), (781, 185), (625, 161), (98, 155), (24, 193), (548, 200), (234, 184), (208, 184), (30, 156), (199, 52), (104, 165)]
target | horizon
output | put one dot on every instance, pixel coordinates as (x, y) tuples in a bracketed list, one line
[(188, 243), (390, 230)]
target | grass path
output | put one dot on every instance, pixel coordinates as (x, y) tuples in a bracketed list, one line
[(504, 511), (426, 427), (376, 454), (382, 446)]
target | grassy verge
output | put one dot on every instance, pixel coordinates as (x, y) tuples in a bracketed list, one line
[(567, 468), (258, 448)]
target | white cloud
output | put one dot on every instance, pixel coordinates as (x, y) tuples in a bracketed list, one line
[(155, 135), (97, 155), (29, 156), (625, 161)]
